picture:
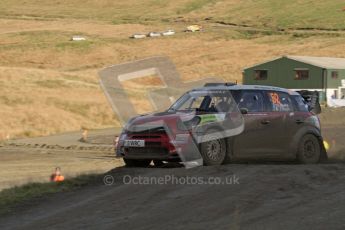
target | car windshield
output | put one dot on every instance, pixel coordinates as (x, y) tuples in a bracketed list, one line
[(206, 101)]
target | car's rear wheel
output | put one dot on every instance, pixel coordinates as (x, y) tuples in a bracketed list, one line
[(213, 151), (136, 163), (309, 150)]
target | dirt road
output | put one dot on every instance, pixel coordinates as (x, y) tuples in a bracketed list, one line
[(284, 196), (235, 196), (34, 159)]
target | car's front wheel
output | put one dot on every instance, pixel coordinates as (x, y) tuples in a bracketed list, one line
[(309, 150), (136, 163), (213, 151)]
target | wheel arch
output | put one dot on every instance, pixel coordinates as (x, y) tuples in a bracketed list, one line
[(200, 133), (301, 133), (215, 128)]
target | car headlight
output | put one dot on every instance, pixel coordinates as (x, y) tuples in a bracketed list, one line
[(123, 137)]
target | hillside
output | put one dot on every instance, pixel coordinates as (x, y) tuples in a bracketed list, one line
[(276, 13), (50, 84)]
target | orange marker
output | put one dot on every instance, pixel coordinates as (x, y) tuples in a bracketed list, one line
[(57, 176)]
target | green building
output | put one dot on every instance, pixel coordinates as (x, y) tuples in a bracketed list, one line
[(324, 74)]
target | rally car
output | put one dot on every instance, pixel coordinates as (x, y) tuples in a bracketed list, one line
[(224, 122)]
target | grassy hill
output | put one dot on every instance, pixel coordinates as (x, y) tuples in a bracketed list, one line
[(49, 84), (328, 14)]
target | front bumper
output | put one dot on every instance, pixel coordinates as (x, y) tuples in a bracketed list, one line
[(157, 147)]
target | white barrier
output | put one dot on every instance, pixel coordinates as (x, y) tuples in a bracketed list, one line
[(336, 102)]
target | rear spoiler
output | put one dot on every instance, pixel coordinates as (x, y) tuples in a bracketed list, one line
[(312, 99)]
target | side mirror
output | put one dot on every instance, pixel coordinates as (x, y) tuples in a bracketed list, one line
[(244, 110)]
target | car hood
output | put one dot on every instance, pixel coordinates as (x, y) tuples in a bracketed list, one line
[(157, 120)]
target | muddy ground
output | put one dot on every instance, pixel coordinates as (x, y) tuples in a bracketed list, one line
[(245, 196), (265, 196)]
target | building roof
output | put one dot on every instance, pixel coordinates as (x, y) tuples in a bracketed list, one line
[(323, 62)]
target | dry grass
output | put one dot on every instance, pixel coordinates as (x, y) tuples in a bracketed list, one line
[(137, 92), (50, 84), (41, 102), (21, 166)]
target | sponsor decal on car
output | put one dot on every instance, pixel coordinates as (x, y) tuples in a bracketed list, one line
[(207, 118)]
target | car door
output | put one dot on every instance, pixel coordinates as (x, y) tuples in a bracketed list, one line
[(259, 138), (280, 113), (296, 122)]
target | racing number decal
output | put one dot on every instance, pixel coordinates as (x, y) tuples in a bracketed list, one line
[(275, 98)]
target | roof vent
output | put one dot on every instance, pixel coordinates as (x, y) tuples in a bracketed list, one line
[(220, 84)]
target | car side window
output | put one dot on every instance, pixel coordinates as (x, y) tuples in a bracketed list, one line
[(279, 102), (251, 100), (301, 104), (197, 102)]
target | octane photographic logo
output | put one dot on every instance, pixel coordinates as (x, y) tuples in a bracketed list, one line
[(210, 126), (171, 180)]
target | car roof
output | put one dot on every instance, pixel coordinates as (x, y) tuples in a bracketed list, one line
[(245, 87)]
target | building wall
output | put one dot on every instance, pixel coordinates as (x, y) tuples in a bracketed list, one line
[(281, 73), (334, 85), (335, 82)]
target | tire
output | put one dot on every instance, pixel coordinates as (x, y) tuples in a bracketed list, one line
[(309, 150), (213, 152), (136, 163)]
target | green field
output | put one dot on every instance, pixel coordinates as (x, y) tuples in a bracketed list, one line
[(326, 14)]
